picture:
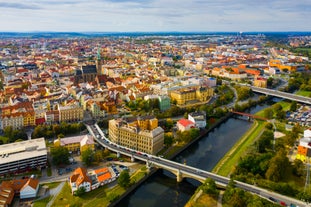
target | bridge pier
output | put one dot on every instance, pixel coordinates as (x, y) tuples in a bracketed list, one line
[(132, 158), (179, 176), (118, 154)]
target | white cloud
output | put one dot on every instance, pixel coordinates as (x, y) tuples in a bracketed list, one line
[(154, 15)]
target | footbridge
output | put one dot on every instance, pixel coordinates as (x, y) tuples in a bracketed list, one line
[(181, 170), (249, 115)]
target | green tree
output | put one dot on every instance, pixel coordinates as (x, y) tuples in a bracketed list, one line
[(60, 155), (168, 139), (81, 190), (268, 113), (209, 187), (293, 106), (278, 166), (124, 179), (298, 168), (87, 156), (98, 156)]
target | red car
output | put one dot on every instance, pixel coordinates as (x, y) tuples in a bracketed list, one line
[(283, 203)]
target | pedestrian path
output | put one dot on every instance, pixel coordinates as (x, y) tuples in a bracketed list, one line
[(54, 193)]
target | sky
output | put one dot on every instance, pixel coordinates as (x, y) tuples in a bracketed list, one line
[(154, 15)]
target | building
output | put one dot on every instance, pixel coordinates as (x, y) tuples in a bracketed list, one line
[(18, 116), (6, 196), (198, 118), (87, 73), (164, 103), (138, 133), (30, 189), (260, 82), (92, 180), (185, 124), (191, 95), (80, 179), (77, 143), (23, 156), (71, 112), (25, 188), (282, 66)]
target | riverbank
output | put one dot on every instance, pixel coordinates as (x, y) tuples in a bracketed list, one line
[(175, 150), (227, 164), (204, 132)]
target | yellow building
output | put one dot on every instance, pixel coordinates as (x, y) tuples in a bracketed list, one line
[(279, 64), (184, 96), (260, 82), (70, 112), (138, 133), (77, 143)]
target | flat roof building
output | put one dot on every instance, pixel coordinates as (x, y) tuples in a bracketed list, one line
[(22, 156)]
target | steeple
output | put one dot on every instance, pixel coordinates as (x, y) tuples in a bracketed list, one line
[(98, 62)]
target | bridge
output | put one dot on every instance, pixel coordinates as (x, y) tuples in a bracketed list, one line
[(280, 94), (184, 171), (249, 115)]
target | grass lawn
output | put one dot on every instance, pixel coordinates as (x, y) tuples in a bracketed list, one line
[(304, 93), (226, 165), (5, 140), (98, 197), (42, 202), (203, 201), (52, 185)]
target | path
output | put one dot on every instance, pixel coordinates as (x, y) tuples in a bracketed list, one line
[(54, 193)]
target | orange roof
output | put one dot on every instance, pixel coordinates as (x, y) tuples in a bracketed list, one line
[(33, 183), (101, 170), (104, 177), (6, 195), (79, 176)]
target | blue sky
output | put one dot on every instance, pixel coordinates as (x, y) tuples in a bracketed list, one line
[(155, 15)]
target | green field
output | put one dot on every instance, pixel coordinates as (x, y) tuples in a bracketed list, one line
[(304, 93)]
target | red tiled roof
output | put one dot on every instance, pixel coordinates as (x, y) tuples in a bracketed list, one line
[(185, 122)]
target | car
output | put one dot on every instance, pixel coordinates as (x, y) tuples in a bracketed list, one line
[(283, 203), (272, 199)]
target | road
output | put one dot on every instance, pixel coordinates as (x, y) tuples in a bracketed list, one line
[(188, 170)]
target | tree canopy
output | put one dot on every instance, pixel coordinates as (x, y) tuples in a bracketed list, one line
[(60, 155)]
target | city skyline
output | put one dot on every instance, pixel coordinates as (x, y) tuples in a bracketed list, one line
[(154, 15)]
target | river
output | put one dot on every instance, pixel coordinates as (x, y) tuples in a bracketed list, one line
[(162, 190)]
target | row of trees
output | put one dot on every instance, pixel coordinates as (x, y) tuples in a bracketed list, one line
[(62, 129)]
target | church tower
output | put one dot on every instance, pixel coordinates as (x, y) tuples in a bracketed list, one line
[(98, 62)]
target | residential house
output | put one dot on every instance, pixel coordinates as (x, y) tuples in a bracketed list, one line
[(185, 124), (80, 179), (76, 143), (198, 118), (30, 189)]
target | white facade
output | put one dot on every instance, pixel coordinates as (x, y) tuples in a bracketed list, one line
[(307, 133), (86, 185), (29, 192), (198, 119)]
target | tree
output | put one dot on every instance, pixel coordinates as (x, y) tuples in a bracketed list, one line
[(98, 156), (124, 179), (168, 139), (268, 113), (60, 155), (81, 190), (87, 156), (278, 166), (293, 106)]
